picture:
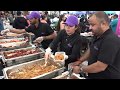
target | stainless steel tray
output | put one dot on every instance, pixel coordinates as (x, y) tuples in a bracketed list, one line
[(22, 59), (48, 75), (65, 75), (3, 40), (14, 45), (11, 35)]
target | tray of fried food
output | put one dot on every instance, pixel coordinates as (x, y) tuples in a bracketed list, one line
[(8, 44), (10, 34), (16, 56), (5, 41), (33, 70), (21, 52)]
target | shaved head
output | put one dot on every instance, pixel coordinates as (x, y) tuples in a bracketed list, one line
[(102, 16), (99, 23)]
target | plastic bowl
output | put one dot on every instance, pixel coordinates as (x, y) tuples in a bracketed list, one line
[(61, 61)]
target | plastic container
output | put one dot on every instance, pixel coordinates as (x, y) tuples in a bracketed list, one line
[(58, 58)]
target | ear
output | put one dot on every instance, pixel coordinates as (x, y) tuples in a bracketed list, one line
[(103, 23)]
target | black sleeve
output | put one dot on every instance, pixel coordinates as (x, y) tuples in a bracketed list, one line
[(30, 28), (75, 52), (26, 23), (48, 21), (108, 51), (49, 29), (54, 43), (20, 23), (14, 23)]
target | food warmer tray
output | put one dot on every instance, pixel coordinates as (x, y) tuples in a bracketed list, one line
[(22, 59), (49, 75), (65, 75), (14, 45)]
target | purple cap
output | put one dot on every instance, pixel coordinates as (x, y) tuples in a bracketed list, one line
[(33, 14), (72, 20)]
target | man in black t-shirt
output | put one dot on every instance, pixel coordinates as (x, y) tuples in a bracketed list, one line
[(42, 31), (48, 19), (20, 22), (104, 53)]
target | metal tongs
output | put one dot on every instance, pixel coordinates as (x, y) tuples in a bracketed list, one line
[(26, 37), (36, 45), (70, 70), (45, 62)]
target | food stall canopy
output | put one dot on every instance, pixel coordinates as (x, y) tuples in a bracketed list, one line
[(110, 12)]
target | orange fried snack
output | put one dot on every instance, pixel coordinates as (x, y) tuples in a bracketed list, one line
[(59, 57)]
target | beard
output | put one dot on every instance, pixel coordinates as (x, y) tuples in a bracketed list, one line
[(97, 32)]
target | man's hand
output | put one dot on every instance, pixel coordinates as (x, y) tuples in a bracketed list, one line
[(2, 37), (76, 63), (39, 40), (3, 32), (76, 69)]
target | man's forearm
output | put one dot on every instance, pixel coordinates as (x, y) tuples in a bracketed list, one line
[(52, 36), (95, 67), (18, 31)]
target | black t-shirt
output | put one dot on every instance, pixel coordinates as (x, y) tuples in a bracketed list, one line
[(69, 44), (43, 29), (107, 50), (20, 23), (48, 20)]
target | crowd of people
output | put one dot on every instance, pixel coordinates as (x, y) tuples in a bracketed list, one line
[(102, 54)]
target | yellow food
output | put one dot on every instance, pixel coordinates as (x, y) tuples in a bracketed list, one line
[(31, 71), (59, 57)]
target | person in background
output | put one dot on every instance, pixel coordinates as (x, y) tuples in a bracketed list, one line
[(1, 22), (11, 18), (25, 14), (43, 19), (20, 22), (1, 25), (104, 53), (114, 22), (84, 25), (48, 19), (61, 25), (44, 34), (69, 39)]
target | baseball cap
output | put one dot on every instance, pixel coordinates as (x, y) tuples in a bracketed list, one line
[(34, 14), (72, 20)]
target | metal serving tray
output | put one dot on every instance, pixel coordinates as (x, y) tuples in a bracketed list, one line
[(22, 59), (48, 75), (10, 35), (3, 40), (14, 45), (65, 75)]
